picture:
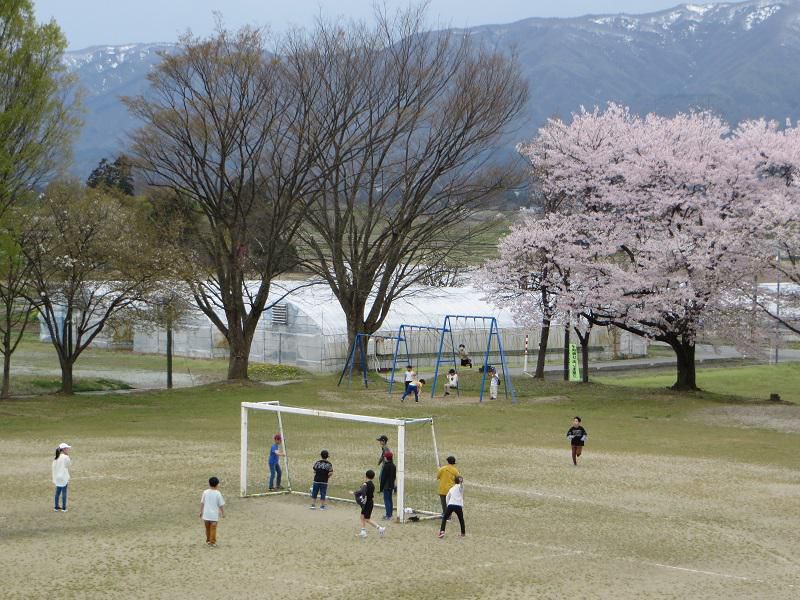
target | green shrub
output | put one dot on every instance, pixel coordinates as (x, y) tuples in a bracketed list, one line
[(262, 372)]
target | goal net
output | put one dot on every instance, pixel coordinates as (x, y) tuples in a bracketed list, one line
[(351, 441)]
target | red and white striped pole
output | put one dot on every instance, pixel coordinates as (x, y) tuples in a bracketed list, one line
[(525, 356)]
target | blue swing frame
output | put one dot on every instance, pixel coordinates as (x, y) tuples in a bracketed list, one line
[(351, 357), (401, 337), (494, 331)]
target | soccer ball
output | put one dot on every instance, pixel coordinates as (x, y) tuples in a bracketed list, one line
[(408, 510)]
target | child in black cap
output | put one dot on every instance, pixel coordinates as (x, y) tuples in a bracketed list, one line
[(384, 441)]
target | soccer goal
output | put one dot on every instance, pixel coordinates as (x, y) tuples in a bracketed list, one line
[(351, 442)]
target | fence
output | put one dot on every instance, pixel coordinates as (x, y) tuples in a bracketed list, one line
[(328, 353)]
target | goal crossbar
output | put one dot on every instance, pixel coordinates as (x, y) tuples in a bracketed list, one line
[(311, 412), (278, 408)]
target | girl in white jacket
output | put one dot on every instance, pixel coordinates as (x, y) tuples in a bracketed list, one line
[(61, 465), (455, 504)]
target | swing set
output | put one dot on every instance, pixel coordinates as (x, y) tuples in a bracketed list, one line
[(360, 346), (449, 355), (404, 332), (450, 323)]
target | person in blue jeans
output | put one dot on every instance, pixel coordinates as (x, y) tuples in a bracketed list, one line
[(410, 376), (415, 387), (275, 454), (61, 464), (387, 479), (323, 469)]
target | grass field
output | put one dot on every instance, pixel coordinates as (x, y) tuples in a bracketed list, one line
[(677, 496)]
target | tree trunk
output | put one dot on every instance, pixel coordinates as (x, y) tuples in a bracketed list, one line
[(566, 352), (585, 358), (169, 356), (67, 362), (539, 374), (684, 353), (6, 391), (66, 377), (238, 354), (238, 362)]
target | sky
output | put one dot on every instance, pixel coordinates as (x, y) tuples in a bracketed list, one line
[(98, 22)]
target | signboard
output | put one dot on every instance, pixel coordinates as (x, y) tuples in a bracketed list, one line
[(574, 366)]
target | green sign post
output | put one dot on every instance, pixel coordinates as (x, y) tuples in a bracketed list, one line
[(574, 366)]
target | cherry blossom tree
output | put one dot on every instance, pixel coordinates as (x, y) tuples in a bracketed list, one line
[(645, 200), (541, 274), (766, 229), (527, 276)]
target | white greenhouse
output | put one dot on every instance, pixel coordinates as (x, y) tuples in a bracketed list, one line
[(307, 329)]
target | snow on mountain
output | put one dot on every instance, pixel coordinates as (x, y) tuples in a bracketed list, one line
[(741, 59), (694, 17)]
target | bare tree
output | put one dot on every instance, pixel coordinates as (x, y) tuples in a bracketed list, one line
[(412, 116), (225, 134), (90, 258)]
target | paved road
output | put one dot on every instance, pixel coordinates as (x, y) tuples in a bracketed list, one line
[(704, 354), (143, 379), (138, 378)]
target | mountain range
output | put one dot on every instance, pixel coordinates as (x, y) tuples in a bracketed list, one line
[(741, 60)]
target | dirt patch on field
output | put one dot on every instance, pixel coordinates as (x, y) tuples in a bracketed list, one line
[(547, 400), (783, 418)]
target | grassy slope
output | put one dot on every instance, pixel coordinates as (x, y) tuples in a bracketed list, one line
[(629, 415)]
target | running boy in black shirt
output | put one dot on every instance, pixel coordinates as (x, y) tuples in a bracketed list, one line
[(577, 438), (364, 497), (323, 469)]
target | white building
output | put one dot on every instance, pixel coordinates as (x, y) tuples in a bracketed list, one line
[(308, 329)]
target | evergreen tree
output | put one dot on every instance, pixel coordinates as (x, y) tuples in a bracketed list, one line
[(116, 175)]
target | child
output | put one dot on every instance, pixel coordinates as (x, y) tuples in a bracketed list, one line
[(455, 504), (386, 484), (409, 378), (414, 387), (60, 468), (493, 384), (384, 442), (577, 437), (275, 454), (466, 361), (451, 383), (323, 469), (447, 476), (364, 497), (211, 509)]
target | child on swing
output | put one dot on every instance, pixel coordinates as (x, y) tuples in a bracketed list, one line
[(451, 383), (494, 384)]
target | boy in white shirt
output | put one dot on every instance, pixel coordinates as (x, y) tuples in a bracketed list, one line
[(211, 509), (455, 504)]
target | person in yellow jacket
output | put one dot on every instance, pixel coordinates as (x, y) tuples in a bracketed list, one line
[(447, 478)]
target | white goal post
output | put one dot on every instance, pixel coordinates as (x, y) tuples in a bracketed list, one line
[(423, 461)]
